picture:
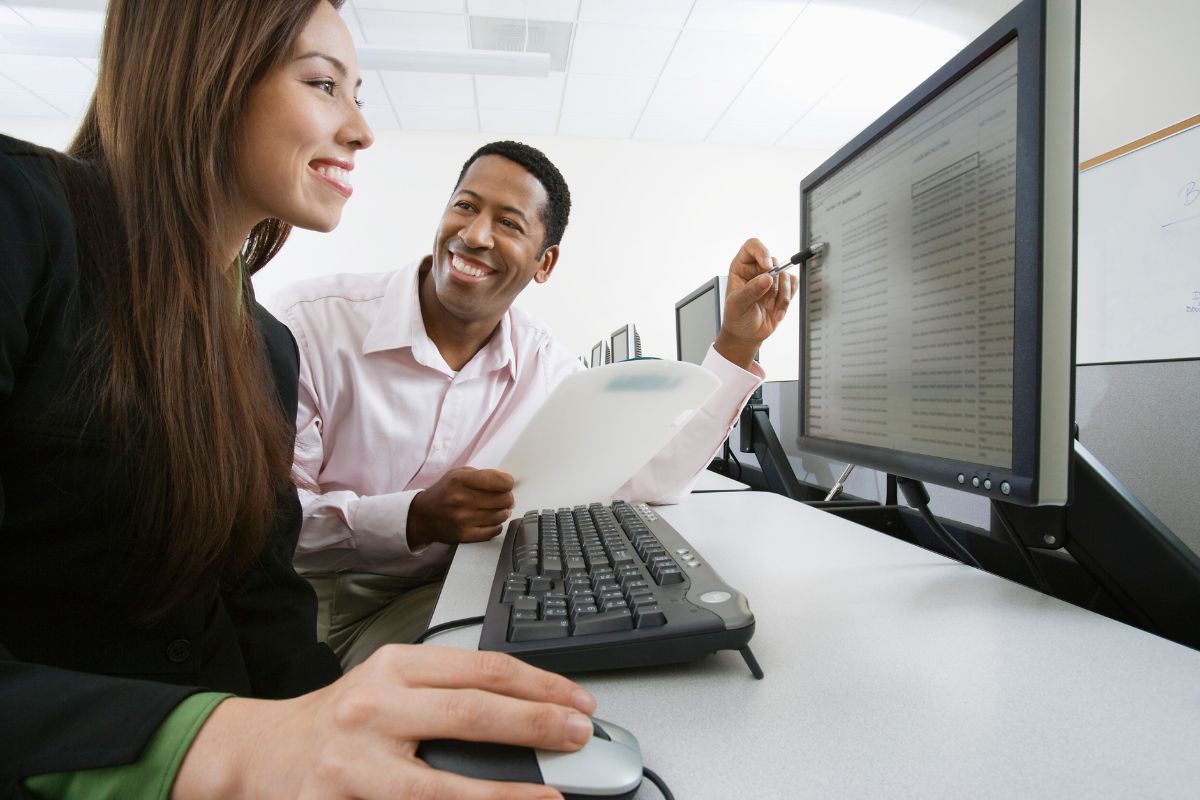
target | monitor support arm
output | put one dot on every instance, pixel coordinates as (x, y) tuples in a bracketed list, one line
[(759, 437)]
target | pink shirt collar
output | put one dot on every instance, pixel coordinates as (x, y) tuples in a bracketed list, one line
[(400, 324)]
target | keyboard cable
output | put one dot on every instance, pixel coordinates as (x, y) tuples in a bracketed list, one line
[(445, 626)]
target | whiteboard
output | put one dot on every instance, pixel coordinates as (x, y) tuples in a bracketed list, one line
[(1139, 254)]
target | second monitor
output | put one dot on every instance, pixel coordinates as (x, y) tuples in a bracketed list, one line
[(626, 344), (698, 320)]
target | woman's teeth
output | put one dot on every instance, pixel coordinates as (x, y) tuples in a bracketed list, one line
[(335, 173), (466, 268)]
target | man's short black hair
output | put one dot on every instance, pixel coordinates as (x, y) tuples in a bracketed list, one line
[(535, 162)]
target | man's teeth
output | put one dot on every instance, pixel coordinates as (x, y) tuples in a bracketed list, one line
[(466, 268), (336, 173)]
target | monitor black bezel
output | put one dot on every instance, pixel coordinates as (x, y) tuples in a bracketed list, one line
[(626, 329), (601, 345), (1026, 23), (713, 285)]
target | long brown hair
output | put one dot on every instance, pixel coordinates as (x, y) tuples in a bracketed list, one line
[(184, 376)]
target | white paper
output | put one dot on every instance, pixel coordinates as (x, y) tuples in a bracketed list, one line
[(601, 426)]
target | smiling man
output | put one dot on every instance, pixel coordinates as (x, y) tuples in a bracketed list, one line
[(414, 384)]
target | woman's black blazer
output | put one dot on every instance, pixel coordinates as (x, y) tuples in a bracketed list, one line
[(82, 684)]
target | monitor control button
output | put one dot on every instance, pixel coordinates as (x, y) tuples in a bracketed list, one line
[(987, 484), (715, 597), (962, 478), (1005, 488), (975, 481)]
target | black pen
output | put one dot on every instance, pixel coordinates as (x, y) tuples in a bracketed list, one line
[(812, 251)]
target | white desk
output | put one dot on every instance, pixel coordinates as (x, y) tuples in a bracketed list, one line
[(890, 672), (710, 481)]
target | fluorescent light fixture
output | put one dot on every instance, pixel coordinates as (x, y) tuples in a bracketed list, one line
[(474, 62), (29, 40)]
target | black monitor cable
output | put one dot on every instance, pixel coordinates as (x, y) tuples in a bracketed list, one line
[(445, 626), (730, 458), (917, 496), (1022, 548)]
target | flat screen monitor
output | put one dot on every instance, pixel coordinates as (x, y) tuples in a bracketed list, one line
[(626, 344), (937, 335), (698, 320), (600, 355)]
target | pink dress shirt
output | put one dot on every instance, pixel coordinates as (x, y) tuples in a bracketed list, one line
[(382, 416)]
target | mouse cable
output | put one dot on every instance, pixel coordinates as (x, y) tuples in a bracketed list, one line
[(917, 496), (445, 626), (657, 781)]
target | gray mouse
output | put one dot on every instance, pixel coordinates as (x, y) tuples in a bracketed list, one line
[(609, 767)]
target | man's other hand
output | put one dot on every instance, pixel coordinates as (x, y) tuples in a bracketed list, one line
[(465, 505)]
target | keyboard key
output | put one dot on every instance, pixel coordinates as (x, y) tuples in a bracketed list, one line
[(523, 630), (525, 603), (649, 617), (604, 622), (669, 575)]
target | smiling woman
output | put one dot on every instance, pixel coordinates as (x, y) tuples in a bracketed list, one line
[(147, 513)]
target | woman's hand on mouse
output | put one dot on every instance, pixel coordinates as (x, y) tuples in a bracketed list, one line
[(358, 737)]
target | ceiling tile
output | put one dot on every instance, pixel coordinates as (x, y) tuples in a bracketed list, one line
[(717, 55), (602, 49), (10, 17), (521, 94), (897, 8), (770, 17), (414, 30), (47, 73), (963, 19), (72, 104), (669, 127), (91, 64), (81, 14), (597, 125), (747, 133), (20, 103), (657, 14), (761, 102), (430, 89), (423, 6), (507, 120), (606, 94), (562, 10), (350, 16), (688, 98), (380, 117), (438, 119), (376, 106)]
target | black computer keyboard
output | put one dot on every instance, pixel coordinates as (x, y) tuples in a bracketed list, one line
[(602, 587)]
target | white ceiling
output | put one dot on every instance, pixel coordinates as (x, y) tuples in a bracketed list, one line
[(782, 73)]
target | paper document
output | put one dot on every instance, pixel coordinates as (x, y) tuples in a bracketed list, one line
[(601, 426)]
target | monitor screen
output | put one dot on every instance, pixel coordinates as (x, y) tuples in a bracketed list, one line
[(620, 346), (938, 307), (697, 321)]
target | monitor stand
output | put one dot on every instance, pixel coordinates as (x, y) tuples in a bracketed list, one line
[(758, 436), (1151, 576)]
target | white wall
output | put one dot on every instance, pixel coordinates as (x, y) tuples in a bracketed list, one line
[(649, 223)]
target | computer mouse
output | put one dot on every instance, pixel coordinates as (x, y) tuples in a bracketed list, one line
[(609, 767)]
